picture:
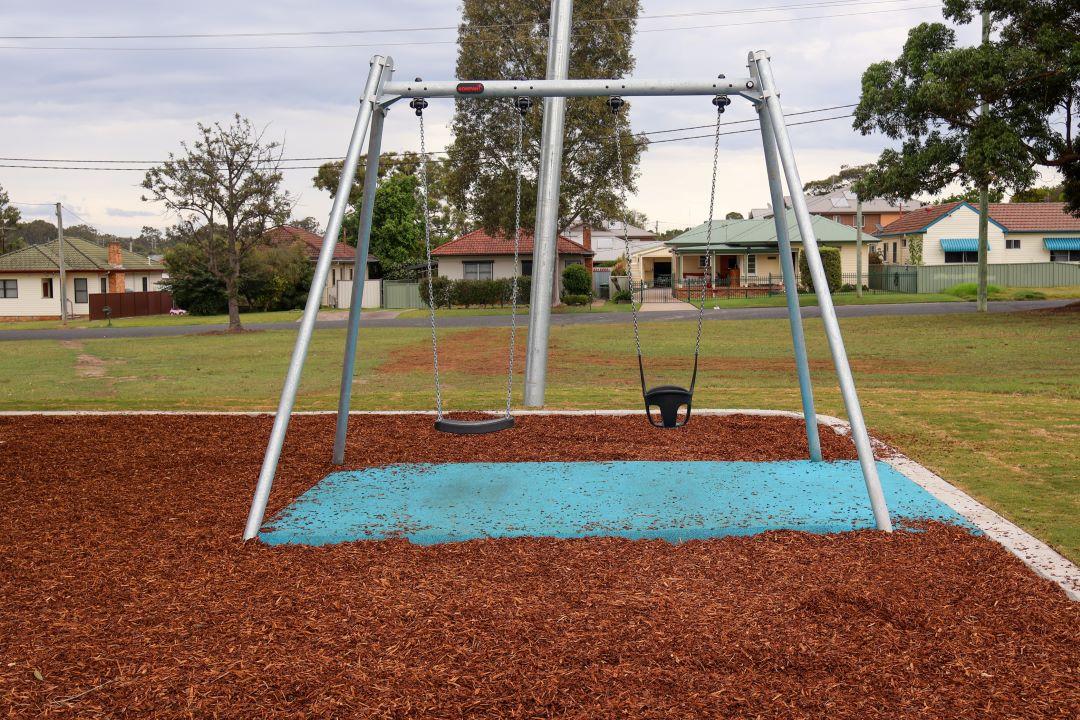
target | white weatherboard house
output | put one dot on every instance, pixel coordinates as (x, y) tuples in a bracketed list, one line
[(606, 240), (1017, 233), (30, 277)]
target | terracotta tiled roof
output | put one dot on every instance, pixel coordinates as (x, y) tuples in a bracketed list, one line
[(1014, 217), (283, 234), (479, 242), (916, 220), (1029, 217)]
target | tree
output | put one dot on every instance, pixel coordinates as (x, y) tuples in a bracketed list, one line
[(980, 116), (9, 218), (971, 195), (35, 232), (225, 188), (668, 234), (150, 241), (309, 223), (447, 222), (508, 40), (1054, 193), (1037, 78), (734, 216), (847, 175)]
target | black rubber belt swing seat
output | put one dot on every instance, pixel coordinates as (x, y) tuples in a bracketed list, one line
[(473, 427), (669, 400)]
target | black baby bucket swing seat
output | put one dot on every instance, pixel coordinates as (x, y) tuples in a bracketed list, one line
[(673, 402), (473, 427)]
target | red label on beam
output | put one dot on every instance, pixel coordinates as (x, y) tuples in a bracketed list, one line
[(470, 88)]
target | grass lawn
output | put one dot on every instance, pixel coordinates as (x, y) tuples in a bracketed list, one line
[(157, 320), (992, 403), (522, 310)]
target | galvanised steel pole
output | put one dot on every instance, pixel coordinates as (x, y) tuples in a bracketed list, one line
[(380, 66), (547, 206), (363, 238), (60, 253), (791, 291), (760, 60)]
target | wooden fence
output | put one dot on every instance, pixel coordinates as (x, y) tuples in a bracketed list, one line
[(130, 304)]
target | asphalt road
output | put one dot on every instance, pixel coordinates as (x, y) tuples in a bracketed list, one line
[(843, 311)]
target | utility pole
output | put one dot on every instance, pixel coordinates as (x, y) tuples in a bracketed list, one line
[(984, 197), (63, 273), (858, 246)]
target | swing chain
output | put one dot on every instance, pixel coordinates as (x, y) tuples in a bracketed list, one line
[(721, 102), (419, 104), (522, 104), (615, 103)]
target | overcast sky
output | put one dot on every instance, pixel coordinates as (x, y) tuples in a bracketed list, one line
[(137, 104)]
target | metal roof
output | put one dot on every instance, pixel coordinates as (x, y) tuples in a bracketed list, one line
[(1062, 243), (79, 255), (760, 232), (961, 244)]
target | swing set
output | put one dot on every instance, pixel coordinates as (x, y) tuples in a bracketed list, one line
[(673, 403)]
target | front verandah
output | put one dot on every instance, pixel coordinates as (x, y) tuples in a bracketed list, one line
[(729, 275)]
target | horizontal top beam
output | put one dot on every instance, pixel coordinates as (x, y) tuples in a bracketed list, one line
[(569, 88)]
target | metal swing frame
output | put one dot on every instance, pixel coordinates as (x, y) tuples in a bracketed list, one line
[(380, 93)]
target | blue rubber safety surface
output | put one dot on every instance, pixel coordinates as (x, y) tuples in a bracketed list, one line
[(674, 501)]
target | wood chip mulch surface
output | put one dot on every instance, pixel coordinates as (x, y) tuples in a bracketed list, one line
[(125, 592)]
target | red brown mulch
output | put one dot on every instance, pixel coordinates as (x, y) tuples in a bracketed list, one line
[(126, 592)]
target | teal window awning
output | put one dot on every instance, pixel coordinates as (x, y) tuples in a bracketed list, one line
[(1062, 243), (960, 244)]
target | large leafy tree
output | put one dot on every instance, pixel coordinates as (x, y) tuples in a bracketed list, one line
[(508, 40), (930, 99), (9, 218), (225, 188), (396, 223), (845, 177)]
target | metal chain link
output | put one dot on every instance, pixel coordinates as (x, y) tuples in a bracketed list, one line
[(623, 181), (708, 231), (427, 251), (517, 261)]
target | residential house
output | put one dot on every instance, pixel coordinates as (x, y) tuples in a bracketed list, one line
[(747, 251), (1017, 233), (30, 277), (606, 240), (652, 264), (341, 267), (840, 206), (480, 256)]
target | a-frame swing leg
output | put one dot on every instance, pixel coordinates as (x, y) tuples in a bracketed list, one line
[(775, 117), (363, 239), (380, 70), (787, 267)]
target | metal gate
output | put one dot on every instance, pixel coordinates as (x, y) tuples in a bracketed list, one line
[(654, 294), (401, 295)]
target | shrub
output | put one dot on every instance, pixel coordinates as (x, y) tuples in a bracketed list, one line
[(467, 293), (847, 288), (1028, 295), (440, 286), (830, 259), (623, 296), (576, 280), (576, 299), (970, 290)]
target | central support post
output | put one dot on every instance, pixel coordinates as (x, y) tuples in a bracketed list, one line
[(545, 235)]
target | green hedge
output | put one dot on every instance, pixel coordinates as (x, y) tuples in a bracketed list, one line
[(830, 259), (469, 293)]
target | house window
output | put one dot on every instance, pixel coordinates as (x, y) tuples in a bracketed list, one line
[(903, 242), (526, 268), (1055, 256), (751, 264), (894, 252), (1012, 243), (9, 289), (145, 283), (104, 285), (46, 287), (702, 262), (80, 290), (479, 270), (962, 257)]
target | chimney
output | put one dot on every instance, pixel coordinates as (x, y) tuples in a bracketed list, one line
[(115, 257), (586, 240)]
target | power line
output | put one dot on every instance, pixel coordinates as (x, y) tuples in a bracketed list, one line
[(801, 4), (200, 48), (394, 161), (316, 167)]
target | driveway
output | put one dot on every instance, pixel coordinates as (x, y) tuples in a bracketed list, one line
[(843, 311)]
